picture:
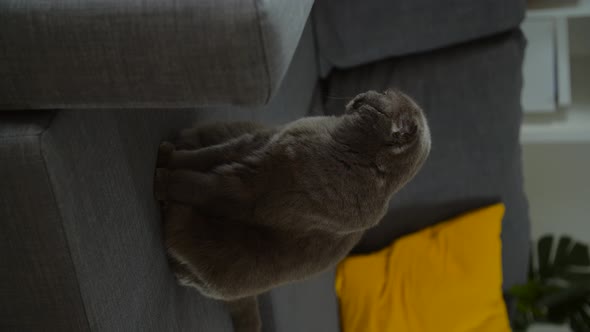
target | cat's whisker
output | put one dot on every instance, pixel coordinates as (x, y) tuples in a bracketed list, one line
[(335, 97)]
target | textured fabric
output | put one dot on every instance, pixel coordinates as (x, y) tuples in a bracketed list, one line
[(471, 96), (352, 32), (447, 277), (96, 224), (296, 90), (38, 284), (64, 54), (101, 165), (309, 306)]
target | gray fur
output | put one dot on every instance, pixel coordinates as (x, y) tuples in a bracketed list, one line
[(249, 208)]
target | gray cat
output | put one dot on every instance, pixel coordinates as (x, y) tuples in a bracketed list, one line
[(249, 208)]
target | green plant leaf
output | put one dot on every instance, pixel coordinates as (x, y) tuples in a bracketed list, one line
[(562, 253), (560, 297), (563, 310), (558, 291), (521, 321), (532, 274), (578, 323), (528, 292), (579, 255), (568, 255), (544, 255), (578, 279), (584, 314)]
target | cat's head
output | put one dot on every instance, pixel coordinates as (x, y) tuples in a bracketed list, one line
[(393, 129)]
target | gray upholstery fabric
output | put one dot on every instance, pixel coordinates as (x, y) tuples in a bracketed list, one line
[(295, 93), (101, 164), (67, 54), (83, 235), (471, 94), (38, 286), (353, 32), (309, 306)]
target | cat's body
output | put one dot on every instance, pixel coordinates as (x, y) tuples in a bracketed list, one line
[(250, 208)]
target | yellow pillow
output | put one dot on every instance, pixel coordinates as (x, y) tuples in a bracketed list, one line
[(446, 278)]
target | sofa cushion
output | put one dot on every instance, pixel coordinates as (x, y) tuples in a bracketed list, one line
[(68, 54), (471, 96), (351, 33)]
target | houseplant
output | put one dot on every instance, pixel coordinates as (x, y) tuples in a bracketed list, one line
[(558, 287)]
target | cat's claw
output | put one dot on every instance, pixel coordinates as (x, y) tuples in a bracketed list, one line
[(164, 152), (161, 184)]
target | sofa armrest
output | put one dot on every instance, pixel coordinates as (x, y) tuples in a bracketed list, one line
[(39, 289), (111, 53)]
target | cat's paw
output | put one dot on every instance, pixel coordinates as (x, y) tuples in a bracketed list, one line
[(164, 153), (161, 184), (255, 327), (181, 272)]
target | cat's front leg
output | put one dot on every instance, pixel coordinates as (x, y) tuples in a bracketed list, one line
[(201, 159), (205, 159), (188, 187), (161, 184), (164, 154), (215, 133)]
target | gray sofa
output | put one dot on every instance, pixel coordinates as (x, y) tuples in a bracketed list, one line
[(89, 89)]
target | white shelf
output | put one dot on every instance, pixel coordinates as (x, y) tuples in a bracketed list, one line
[(539, 91), (579, 8), (571, 122), (570, 125)]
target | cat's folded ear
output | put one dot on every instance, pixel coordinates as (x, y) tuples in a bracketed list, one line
[(362, 100)]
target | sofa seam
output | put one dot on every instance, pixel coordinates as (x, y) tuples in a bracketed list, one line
[(42, 131), (354, 57), (263, 48), (61, 218), (316, 44), (32, 135)]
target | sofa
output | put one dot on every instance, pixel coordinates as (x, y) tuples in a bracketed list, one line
[(89, 89)]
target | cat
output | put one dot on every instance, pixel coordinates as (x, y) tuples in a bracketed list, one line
[(249, 207)]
